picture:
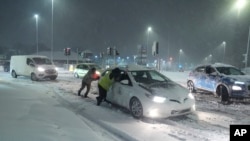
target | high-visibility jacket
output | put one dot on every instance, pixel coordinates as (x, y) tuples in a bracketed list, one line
[(105, 82)]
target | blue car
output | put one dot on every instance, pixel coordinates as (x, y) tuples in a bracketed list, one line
[(225, 81)]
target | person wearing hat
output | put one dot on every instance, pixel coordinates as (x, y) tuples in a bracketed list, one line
[(86, 81), (105, 82)]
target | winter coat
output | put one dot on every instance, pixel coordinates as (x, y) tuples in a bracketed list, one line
[(89, 77), (105, 82)]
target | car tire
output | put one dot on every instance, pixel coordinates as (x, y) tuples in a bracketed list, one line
[(13, 74), (33, 77), (136, 108), (190, 85), (53, 77), (222, 92), (76, 75)]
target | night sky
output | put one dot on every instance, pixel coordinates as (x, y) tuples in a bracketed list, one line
[(198, 27)]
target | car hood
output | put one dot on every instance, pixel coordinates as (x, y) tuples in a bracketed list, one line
[(242, 78), (171, 91)]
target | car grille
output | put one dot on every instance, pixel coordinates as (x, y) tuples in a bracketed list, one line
[(173, 100), (174, 112), (50, 71)]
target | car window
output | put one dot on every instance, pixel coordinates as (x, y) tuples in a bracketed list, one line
[(229, 71), (124, 76), (79, 67), (156, 76), (28, 61), (200, 69), (95, 66), (42, 61), (148, 76), (85, 67)]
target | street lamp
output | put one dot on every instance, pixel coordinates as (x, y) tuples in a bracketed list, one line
[(224, 47), (239, 5), (52, 34), (148, 31), (180, 52), (210, 58), (36, 17)]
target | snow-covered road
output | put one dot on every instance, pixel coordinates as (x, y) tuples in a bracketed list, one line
[(210, 122)]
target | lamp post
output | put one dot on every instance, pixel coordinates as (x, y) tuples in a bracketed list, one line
[(148, 31), (247, 47), (52, 34), (239, 5), (180, 51), (224, 47), (36, 17)]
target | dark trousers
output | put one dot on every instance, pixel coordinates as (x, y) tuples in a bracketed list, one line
[(82, 87), (102, 95)]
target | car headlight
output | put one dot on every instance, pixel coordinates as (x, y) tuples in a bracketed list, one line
[(56, 68), (98, 73), (40, 69), (236, 88), (159, 99), (191, 96)]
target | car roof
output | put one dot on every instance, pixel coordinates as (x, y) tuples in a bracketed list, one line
[(132, 67), (87, 64), (216, 65)]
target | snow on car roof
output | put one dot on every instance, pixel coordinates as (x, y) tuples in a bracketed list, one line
[(133, 67), (221, 65), (217, 65)]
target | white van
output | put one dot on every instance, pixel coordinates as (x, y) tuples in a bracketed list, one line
[(35, 66)]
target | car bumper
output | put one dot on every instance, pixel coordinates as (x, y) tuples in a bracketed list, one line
[(43, 75), (169, 109)]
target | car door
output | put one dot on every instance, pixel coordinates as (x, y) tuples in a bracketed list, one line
[(121, 91), (211, 79), (199, 76)]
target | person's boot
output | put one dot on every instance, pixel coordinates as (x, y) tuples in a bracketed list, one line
[(98, 101), (79, 93)]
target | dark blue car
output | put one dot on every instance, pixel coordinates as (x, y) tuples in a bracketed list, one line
[(225, 81)]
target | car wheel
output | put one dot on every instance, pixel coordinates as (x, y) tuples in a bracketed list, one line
[(53, 77), (190, 86), (13, 74), (222, 92), (76, 75), (136, 108), (33, 77)]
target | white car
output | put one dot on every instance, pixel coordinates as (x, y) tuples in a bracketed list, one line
[(148, 93), (82, 68)]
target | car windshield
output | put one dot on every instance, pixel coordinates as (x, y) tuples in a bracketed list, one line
[(42, 61), (229, 71), (95, 66), (149, 77)]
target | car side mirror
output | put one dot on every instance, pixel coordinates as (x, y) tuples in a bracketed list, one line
[(32, 65), (125, 82), (214, 73)]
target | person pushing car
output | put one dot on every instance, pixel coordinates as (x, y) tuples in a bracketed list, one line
[(86, 81), (105, 82)]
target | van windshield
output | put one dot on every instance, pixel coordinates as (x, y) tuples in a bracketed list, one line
[(42, 61)]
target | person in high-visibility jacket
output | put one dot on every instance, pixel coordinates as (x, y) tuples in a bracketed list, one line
[(105, 82)]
